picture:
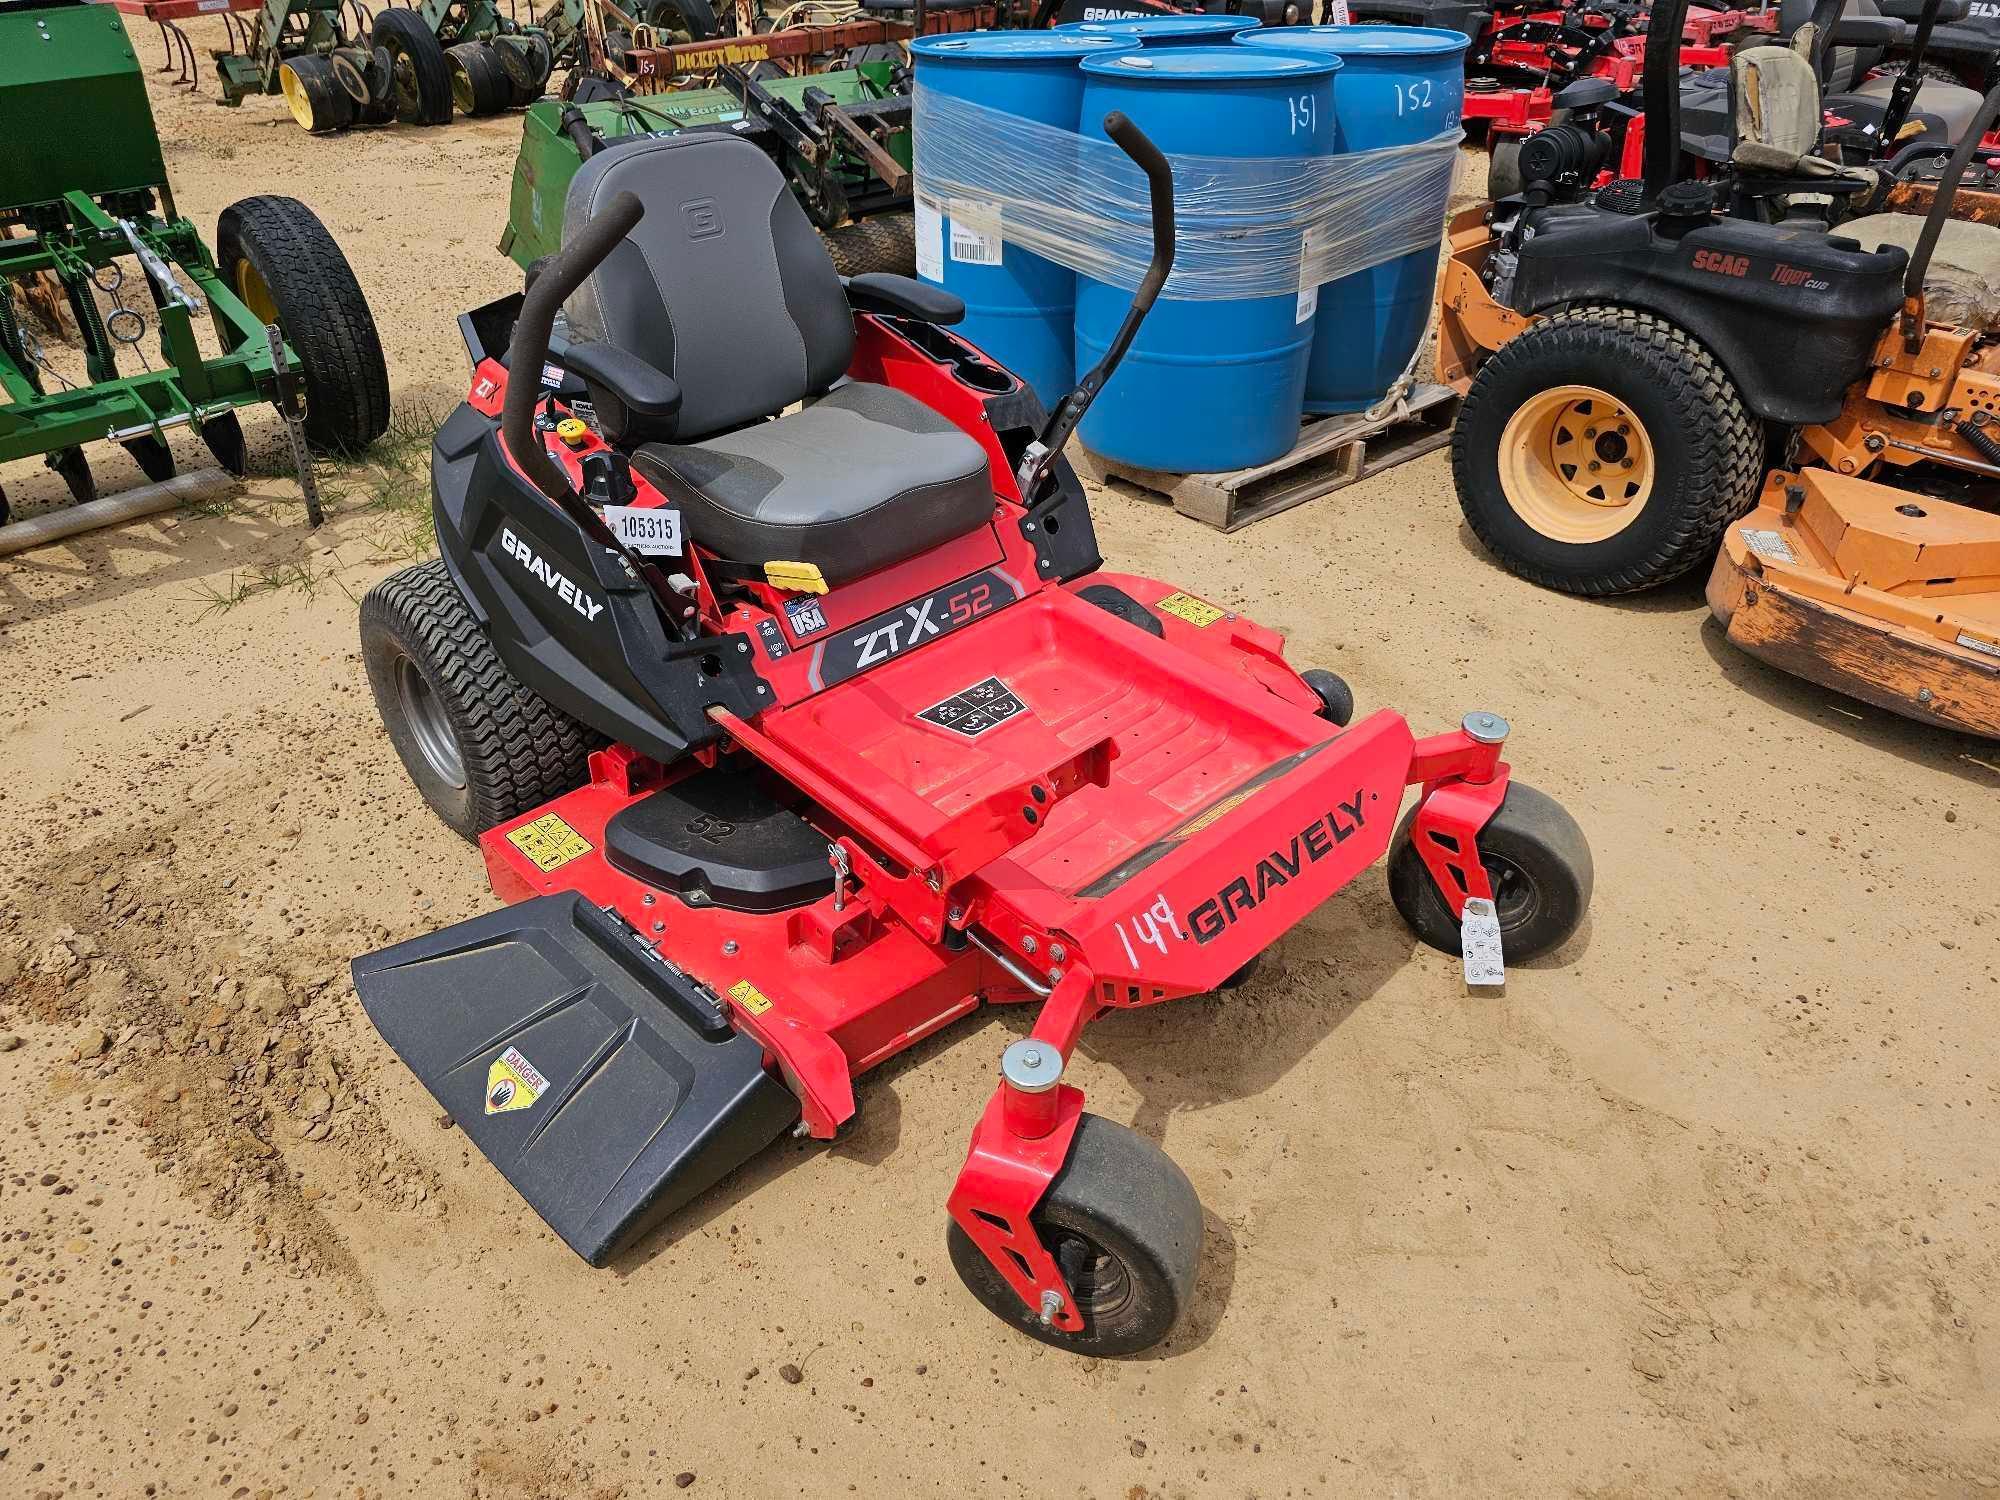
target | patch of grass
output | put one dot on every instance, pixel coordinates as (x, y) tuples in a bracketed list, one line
[(271, 578), (396, 478)]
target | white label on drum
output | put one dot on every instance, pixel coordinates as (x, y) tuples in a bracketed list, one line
[(1479, 942), (975, 232), (930, 241), (1308, 303)]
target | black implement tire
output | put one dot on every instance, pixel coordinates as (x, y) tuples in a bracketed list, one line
[(1691, 437), (1537, 861), (321, 312), (481, 746), (314, 94), (1131, 1217), (525, 62), (420, 79), (479, 85), (881, 242)]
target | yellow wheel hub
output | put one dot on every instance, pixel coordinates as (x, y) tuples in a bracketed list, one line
[(254, 294), (296, 98), (1576, 464)]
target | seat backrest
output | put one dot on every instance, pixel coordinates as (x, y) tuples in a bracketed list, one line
[(1846, 66), (724, 284), (1777, 99)]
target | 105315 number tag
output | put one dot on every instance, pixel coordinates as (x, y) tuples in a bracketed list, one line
[(651, 530)]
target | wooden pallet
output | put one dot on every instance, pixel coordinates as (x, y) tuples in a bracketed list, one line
[(1331, 452)]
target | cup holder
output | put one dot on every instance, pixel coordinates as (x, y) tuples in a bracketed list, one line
[(960, 357)]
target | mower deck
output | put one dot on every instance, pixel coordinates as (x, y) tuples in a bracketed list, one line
[(1881, 593)]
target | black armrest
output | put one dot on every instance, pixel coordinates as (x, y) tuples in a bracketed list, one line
[(1773, 187), (636, 401), (902, 297), (1912, 10), (1870, 31)]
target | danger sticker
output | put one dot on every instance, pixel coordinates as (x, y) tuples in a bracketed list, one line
[(512, 1083), (983, 706), (747, 995), (1479, 943), (1187, 607), (1973, 642), (1769, 544), (549, 842)]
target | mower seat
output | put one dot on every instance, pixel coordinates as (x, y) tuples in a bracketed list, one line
[(726, 300)]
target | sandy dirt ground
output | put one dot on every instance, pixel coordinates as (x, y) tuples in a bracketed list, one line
[(1703, 1205)]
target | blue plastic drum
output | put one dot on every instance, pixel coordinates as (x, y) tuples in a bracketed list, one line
[(1019, 306), (1168, 31), (1208, 384), (1400, 85)]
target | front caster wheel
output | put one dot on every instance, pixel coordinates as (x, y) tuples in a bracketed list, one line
[(1124, 1224), (1537, 861), (1336, 698)]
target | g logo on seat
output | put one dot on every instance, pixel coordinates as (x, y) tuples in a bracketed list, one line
[(701, 218)]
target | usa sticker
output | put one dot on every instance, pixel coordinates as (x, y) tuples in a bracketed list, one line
[(805, 616), (650, 529), (512, 1083), (553, 375)]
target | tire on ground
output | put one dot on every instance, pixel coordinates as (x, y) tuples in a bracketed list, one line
[(421, 78), (479, 85), (1533, 836), (1126, 1195), (321, 312), (515, 749), (881, 242), (314, 95), (1707, 448)]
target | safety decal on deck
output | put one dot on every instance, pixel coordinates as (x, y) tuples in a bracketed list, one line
[(1479, 943), (747, 995), (549, 842), (1769, 544), (1187, 607), (512, 1083), (1974, 643), (983, 706)]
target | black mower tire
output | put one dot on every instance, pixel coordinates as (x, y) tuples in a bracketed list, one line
[(410, 42), (321, 312), (479, 85), (1336, 698), (1503, 169), (515, 749), (1122, 1197), (1707, 450), (880, 242), (1536, 859)]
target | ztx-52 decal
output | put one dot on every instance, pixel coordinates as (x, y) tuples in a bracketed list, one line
[(910, 625)]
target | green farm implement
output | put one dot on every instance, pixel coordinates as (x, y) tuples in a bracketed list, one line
[(90, 237)]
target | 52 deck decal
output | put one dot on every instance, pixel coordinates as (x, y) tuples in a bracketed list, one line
[(907, 626)]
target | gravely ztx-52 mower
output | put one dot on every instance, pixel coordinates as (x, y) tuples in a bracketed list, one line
[(1655, 388), (885, 745)]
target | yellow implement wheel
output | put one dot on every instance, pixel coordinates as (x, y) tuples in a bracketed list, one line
[(253, 293), (1576, 464), (296, 98)]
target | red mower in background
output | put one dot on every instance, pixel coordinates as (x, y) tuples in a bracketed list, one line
[(796, 732)]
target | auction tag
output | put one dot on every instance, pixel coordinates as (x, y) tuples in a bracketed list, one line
[(651, 529), (1335, 14), (930, 240), (1479, 942), (975, 233)]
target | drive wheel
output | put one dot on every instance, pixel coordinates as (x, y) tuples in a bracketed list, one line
[(881, 242), (1537, 861), (1124, 1224), (481, 746), (314, 96), (1603, 451), (419, 77), (286, 269)]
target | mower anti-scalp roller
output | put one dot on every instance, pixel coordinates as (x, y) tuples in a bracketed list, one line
[(873, 767)]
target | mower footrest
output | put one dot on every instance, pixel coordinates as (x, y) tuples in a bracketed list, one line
[(606, 1085)]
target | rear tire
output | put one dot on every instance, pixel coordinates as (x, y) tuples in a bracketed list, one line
[(881, 242), (1537, 861), (1690, 450), (1124, 1223), (482, 747), (319, 307), (420, 79)]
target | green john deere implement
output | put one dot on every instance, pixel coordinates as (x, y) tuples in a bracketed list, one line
[(842, 139), (89, 236)]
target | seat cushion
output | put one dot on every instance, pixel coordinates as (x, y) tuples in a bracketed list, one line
[(864, 477), (1954, 104)]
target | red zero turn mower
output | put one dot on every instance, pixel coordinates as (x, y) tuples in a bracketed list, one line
[(883, 745)]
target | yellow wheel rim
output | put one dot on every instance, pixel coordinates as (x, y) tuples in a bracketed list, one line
[(252, 292), (296, 98), (462, 94), (1576, 464)]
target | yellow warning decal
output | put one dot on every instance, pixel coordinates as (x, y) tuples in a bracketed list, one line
[(549, 842), (512, 1083), (747, 995), (1214, 815), (1187, 607)]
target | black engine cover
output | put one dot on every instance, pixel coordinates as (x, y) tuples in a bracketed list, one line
[(717, 836)]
